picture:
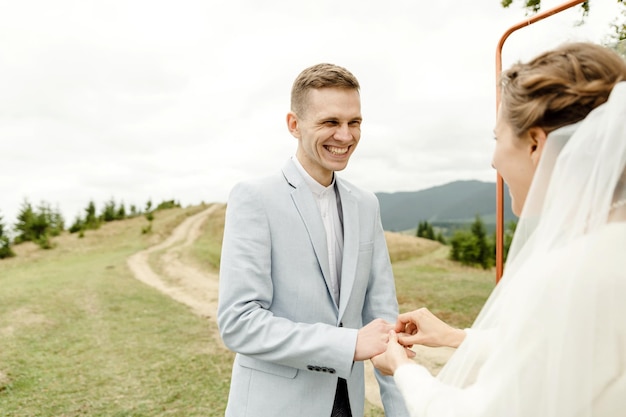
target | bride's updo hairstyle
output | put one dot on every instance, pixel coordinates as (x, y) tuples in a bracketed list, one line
[(559, 87)]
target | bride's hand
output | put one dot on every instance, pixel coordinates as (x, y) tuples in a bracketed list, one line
[(421, 327), (395, 355)]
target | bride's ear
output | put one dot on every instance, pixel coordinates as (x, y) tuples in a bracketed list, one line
[(538, 138)]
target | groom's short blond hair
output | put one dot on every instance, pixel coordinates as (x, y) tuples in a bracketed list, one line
[(320, 76)]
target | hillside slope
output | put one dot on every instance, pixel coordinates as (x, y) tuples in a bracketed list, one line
[(455, 202), (80, 330)]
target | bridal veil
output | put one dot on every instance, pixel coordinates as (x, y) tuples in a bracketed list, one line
[(551, 339)]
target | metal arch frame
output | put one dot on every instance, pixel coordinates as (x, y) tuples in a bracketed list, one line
[(499, 181)]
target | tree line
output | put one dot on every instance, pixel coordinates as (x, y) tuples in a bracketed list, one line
[(473, 246), (39, 224), (469, 246)]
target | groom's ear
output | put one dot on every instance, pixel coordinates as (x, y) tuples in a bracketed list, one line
[(538, 138), (293, 124)]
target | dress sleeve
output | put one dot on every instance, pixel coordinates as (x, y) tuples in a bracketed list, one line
[(480, 343), (425, 396), (558, 351)]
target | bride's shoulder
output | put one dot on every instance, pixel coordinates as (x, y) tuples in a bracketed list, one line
[(603, 254), (609, 239), (614, 230)]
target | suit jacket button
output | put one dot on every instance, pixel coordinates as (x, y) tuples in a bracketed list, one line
[(331, 370), (310, 367), (341, 324), (324, 369), (318, 369)]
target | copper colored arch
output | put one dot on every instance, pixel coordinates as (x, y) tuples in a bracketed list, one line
[(499, 181)]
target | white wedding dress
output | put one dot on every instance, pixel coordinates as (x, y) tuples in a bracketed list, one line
[(551, 339)]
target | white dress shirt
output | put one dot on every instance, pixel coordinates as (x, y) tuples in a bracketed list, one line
[(329, 205)]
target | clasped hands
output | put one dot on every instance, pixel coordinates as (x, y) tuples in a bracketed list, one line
[(412, 328)]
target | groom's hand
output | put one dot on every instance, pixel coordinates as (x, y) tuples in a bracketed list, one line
[(372, 339), (393, 357)]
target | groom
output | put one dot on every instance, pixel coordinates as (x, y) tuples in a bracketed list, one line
[(306, 287)]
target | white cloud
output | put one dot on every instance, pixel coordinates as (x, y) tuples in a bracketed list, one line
[(137, 99)]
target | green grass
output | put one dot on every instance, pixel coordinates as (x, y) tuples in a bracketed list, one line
[(453, 292), (207, 249), (79, 336)]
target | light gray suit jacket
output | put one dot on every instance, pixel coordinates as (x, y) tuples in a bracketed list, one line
[(275, 307)]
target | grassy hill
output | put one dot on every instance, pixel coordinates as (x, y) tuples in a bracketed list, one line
[(80, 336)]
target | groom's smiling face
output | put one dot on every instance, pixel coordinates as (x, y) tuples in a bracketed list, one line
[(328, 131)]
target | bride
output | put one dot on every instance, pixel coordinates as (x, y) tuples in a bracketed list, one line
[(551, 339)]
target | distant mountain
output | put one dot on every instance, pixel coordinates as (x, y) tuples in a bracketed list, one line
[(455, 202)]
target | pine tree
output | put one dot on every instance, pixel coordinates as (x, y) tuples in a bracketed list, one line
[(41, 226), (425, 230), (78, 225), (420, 229), (38, 225), (121, 212), (148, 212), (509, 232), (57, 222), (430, 233), (483, 248), (24, 225), (109, 213), (5, 243), (91, 220)]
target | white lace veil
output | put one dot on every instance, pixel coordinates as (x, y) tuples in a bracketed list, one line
[(550, 340)]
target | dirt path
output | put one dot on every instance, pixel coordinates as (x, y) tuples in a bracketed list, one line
[(181, 281), (199, 289)]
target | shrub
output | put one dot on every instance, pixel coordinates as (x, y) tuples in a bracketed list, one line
[(472, 247)]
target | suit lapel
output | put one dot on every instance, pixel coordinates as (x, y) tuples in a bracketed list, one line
[(350, 244), (310, 214)]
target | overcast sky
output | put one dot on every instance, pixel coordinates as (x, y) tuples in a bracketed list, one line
[(145, 99)]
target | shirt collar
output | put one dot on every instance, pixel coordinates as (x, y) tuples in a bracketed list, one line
[(316, 187)]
